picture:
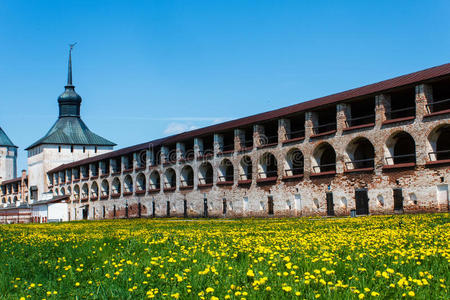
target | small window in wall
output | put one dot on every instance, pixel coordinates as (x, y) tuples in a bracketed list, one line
[(298, 203), (224, 206), (95, 149), (84, 149), (245, 203), (59, 148), (270, 204), (71, 149)]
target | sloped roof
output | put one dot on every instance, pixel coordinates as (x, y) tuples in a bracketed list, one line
[(5, 140), (364, 91), (17, 179), (71, 131), (53, 200)]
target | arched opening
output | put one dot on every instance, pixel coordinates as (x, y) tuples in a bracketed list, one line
[(324, 159), (141, 183), (84, 192), (361, 154), (226, 171), (16, 199), (62, 191), (105, 189), (69, 190), (170, 179), (128, 184), (187, 176), (76, 192), (439, 143), (245, 168), (205, 174), (294, 163), (94, 191), (155, 181), (116, 187), (401, 149), (268, 166)]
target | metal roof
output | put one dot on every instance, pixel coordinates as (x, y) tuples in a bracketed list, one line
[(71, 131), (17, 179), (5, 140), (364, 91)]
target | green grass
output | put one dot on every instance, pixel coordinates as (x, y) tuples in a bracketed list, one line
[(372, 257)]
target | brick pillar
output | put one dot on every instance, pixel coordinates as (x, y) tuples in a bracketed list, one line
[(424, 96), (181, 149), (135, 160), (198, 146), (310, 122), (284, 128), (218, 143), (382, 109), (258, 134), (343, 112), (164, 154), (239, 139), (150, 157)]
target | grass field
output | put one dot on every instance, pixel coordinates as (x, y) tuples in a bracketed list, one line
[(375, 257)]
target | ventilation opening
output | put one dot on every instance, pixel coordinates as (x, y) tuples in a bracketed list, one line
[(326, 120), (297, 127), (403, 104), (247, 139), (362, 112), (270, 136), (208, 145), (171, 154), (441, 96), (228, 142), (188, 153)]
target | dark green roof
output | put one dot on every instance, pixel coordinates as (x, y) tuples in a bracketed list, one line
[(71, 131), (4, 139)]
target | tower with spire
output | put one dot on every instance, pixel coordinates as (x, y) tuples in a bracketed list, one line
[(8, 157), (68, 140)]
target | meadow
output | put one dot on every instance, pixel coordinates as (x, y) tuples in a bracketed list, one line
[(375, 257)]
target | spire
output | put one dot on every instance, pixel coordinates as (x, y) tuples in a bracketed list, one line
[(69, 75), (69, 101)]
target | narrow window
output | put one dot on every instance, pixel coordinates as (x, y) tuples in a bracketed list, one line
[(84, 149), (95, 149), (71, 149), (59, 148)]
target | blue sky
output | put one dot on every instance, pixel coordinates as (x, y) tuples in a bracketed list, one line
[(150, 68)]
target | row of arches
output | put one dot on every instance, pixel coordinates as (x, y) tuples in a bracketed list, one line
[(360, 153)]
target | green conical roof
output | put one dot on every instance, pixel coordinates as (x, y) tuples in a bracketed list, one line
[(4, 139), (71, 131)]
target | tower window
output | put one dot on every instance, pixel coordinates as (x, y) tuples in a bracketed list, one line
[(84, 149), (59, 148), (71, 148)]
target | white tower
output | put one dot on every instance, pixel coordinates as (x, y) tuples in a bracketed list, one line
[(67, 141), (8, 157)]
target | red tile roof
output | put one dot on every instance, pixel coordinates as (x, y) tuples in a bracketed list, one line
[(367, 90)]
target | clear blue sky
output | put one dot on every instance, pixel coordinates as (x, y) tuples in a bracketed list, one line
[(149, 68)]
